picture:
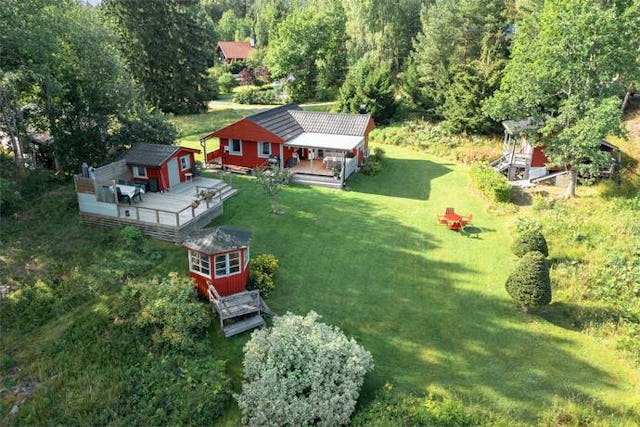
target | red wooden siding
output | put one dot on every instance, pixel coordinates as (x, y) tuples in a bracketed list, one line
[(224, 285), (538, 158), (249, 157), (161, 174)]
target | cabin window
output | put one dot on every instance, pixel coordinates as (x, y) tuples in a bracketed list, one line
[(139, 172), (184, 162), (227, 264), (264, 149), (199, 263), (235, 147)]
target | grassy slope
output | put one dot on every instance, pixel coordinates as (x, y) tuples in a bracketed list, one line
[(429, 304)]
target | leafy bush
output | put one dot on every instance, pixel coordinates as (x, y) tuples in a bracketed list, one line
[(254, 95), (10, 197), (490, 183), (529, 284), (407, 410), (226, 82), (262, 270), (175, 390), (528, 241), (301, 372), (171, 311), (236, 66), (373, 165), (247, 77)]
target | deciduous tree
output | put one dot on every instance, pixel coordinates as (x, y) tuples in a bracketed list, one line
[(571, 66)]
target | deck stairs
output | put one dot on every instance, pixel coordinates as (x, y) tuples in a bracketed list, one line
[(501, 164), (316, 180), (238, 312)]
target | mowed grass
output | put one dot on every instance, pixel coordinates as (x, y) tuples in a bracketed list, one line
[(428, 303)]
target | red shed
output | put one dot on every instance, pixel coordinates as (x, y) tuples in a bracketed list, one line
[(219, 255), (160, 166)]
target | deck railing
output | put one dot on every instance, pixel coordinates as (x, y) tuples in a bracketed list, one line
[(172, 218)]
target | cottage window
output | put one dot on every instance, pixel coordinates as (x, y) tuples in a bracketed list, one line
[(264, 149), (199, 263), (139, 172), (235, 147), (184, 162), (227, 264)]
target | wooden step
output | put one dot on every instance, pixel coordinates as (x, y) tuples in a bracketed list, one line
[(243, 325)]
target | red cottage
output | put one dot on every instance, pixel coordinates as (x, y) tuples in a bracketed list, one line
[(219, 255), (160, 167), (229, 52), (526, 163), (309, 143)]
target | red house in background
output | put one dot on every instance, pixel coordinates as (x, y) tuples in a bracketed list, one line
[(308, 142), (229, 52), (219, 255), (160, 167)]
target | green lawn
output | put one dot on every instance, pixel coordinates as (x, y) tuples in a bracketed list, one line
[(428, 303)]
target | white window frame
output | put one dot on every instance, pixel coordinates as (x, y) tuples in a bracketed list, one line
[(196, 263), (260, 153), (230, 145), (246, 257), (136, 170), (226, 259), (185, 162)]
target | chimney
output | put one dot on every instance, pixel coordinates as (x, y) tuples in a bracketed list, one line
[(363, 109)]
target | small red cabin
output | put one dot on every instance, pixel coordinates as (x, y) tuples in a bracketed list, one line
[(219, 255), (160, 167)]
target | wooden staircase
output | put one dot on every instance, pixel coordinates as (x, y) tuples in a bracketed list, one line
[(238, 312)]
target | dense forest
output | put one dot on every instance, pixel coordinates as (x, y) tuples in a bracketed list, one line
[(95, 326)]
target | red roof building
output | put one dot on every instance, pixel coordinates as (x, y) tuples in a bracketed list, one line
[(233, 51), (307, 142)]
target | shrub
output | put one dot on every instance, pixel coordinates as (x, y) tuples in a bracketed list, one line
[(373, 165), (532, 240), (490, 183), (247, 77), (529, 284), (226, 82), (263, 267), (254, 95), (301, 372), (170, 390), (435, 409), (10, 197), (171, 310)]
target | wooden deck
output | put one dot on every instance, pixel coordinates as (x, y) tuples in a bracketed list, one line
[(306, 167), (167, 216), (238, 312)]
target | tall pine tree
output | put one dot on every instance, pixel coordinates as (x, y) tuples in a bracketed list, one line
[(167, 45)]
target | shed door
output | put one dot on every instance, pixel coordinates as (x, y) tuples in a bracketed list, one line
[(174, 175)]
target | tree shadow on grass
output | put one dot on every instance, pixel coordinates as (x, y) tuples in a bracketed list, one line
[(405, 178), (429, 317)]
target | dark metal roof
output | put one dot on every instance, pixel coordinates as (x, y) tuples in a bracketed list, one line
[(217, 239), (332, 123), (278, 121), (153, 155)]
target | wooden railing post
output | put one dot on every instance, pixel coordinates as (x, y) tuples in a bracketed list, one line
[(177, 219), (157, 216)]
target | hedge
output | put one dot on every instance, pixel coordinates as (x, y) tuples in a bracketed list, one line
[(491, 183)]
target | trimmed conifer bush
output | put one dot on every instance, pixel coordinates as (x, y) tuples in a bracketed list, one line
[(529, 284), (530, 240)]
